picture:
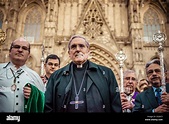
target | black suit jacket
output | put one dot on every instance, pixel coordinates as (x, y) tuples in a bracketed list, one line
[(146, 101)]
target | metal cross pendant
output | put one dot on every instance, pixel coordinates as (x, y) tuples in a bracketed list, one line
[(76, 102), (13, 86)]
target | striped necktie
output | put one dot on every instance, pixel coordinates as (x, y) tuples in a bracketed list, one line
[(158, 95)]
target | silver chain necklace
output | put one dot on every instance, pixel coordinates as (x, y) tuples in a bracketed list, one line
[(77, 101), (13, 86)]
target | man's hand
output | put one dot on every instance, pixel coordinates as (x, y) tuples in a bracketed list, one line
[(27, 91), (162, 109), (165, 98)]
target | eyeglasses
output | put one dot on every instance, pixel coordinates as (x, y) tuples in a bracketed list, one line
[(51, 64), (150, 72), (18, 47)]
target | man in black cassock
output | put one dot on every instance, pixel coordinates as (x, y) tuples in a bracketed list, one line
[(82, 86)]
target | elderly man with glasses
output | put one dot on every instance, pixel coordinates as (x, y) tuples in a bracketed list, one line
[(154, 99)]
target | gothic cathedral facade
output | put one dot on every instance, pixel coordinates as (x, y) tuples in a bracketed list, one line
[(110, 26)]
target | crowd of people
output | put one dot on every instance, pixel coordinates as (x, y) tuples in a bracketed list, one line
[(79, 86)]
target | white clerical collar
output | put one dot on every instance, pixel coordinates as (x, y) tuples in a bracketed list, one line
[(79, 66)]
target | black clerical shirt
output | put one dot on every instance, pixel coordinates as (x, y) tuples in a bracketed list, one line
[(78, 77)]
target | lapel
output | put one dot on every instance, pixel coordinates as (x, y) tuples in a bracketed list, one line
[(96, 77), (167, 87), (151, 97), (66, 80), (135, 94)]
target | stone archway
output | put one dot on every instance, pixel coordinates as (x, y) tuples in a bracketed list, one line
[(102, 56)]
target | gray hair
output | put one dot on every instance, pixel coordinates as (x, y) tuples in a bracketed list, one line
[(127, 72), (154, 61), (77, 36)]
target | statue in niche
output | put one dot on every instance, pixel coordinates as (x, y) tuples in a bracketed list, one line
[(138, 57), (135, 14)]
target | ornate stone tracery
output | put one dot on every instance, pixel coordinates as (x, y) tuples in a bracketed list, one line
[(93, 22), (109, 25)]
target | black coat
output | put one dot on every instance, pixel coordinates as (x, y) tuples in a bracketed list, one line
[(102, 90)]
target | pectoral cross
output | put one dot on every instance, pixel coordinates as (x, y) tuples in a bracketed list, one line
[(77, 102), (13, 86)]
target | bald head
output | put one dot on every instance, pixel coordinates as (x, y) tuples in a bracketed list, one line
[(22, 39)]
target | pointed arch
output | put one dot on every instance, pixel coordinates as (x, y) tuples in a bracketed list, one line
[(151, 24), (33, 25), (31, 21), (153, 20), (92, 22)]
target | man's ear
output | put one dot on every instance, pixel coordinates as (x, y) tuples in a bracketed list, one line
[(29, 56), (68, 53), (45, 65)]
